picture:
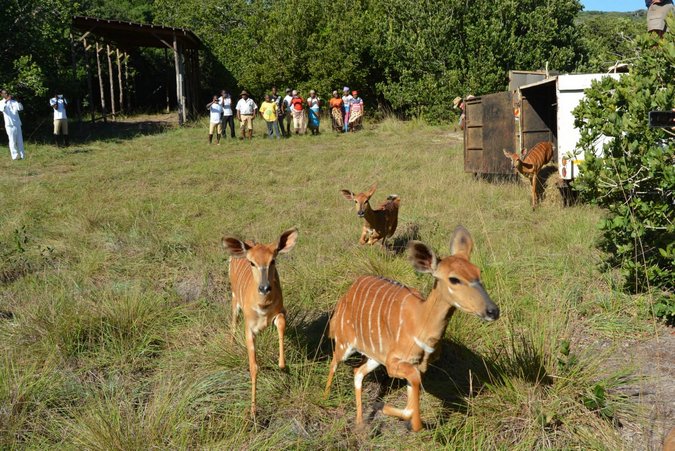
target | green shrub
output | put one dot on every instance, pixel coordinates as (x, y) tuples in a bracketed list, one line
[(634, 178)]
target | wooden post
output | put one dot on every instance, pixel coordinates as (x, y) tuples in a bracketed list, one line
[(76, 95), (89, 85), (119, 79), (179, 81), (100, 83), (126, 80), (110, 79), (167, 82)]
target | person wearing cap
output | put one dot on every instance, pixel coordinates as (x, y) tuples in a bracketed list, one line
[(225, 101), (10, 110), (215, 119), (346, 102), (246, 111), (314, 108), (297, 108), (287, 113), (336, 111), (279, 102), (355, 112)]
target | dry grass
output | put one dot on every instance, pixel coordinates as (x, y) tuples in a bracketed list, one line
[(119, 289)]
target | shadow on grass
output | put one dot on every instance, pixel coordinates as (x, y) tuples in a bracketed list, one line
[(123, 129), (399, 242)]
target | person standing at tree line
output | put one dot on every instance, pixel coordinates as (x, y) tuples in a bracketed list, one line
[(59, 103), (268, 111), (225, 101), (215, 119), (314, 109), (10, 110), (288, 112), (657, 12), (355, 111), (346, 101), (336, 111), (279, 102), (246, 111), (298, 112)]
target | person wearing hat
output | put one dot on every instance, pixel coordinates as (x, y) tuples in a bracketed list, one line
[(246, 111), (288, 116), (355, 112), (346, 102)]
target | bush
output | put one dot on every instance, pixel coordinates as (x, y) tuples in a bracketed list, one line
[(634, 178)]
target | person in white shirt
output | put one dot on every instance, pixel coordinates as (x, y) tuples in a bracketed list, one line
[(228, 114), (58, 103), (215, 119), (10, 110), (346, 104), (288, 115), (246, 111)]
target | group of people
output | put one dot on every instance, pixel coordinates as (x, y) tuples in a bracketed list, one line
[(10, 108), (280, 113)]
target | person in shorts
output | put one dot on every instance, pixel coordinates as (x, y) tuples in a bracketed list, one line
[(215, 119), (657, 11), (246, 111), (58, 104)]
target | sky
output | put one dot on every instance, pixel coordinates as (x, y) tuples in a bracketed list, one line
[(613, 5)]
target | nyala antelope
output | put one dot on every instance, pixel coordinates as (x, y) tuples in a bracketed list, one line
[(381, 222), (536, 158), (393, 325), (256, 292)]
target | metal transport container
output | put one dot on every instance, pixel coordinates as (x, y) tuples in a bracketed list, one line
[(516, 120)]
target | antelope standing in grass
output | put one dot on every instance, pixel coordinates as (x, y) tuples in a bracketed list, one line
[(256, 291), (536, 158), (380, 223), (393, 325)]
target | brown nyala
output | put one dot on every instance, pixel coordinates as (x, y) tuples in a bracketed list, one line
[(379, 223), (393, 325), (536, 158), (256, 292)]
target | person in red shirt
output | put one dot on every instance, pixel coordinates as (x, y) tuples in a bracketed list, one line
[(298, 111), (336, 103)]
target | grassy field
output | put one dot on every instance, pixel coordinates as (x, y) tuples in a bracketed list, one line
[(114, 298)]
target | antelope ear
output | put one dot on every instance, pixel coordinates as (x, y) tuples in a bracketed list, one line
[(461, 243), (235, 247), (421, 257), (347, 194), (287, 240), (507, 154), (371, 190)]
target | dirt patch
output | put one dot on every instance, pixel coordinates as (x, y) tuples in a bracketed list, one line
[(654, 393)]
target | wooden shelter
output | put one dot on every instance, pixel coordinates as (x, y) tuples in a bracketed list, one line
[(128, 35)]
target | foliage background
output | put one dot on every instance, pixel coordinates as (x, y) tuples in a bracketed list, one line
[(635, 177), (406, 57)]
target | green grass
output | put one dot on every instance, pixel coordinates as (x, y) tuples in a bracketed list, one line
[(113, 270)]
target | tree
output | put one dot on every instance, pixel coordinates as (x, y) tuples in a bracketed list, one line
[(635, 176)]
